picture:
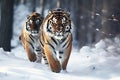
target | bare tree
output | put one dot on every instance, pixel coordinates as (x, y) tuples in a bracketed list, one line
[(42, 6), (6, 24), (110, 19), (33, 2), (58, 4), (32, 5)]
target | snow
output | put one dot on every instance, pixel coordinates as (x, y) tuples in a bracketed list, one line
[(99, 62)]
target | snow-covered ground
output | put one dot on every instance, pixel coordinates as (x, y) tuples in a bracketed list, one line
[(99, 62)]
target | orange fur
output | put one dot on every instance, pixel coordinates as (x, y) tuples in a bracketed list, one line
[(68, 52), (54, 63), (25, 38), (49, 45)]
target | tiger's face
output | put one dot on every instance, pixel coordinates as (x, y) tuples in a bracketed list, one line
[(58, 24), (33, 23)]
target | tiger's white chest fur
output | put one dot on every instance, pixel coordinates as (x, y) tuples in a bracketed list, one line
[(58, 48), (34, 42), (59, 44)]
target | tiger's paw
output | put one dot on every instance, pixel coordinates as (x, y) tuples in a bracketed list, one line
[(56, 71), (56, 68), (64, 71)]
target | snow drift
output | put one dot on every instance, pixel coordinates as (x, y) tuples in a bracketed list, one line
[(101, 62)]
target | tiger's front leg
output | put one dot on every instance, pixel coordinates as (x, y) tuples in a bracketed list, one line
[(52, 59), (30, 54), (66, 54)]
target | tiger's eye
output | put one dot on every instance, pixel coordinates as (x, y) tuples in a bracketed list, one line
[(50, 21), (67, 27), (50, 27)]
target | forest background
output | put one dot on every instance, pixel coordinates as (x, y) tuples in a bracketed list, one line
[(92, 20)]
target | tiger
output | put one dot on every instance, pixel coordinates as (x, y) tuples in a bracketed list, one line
[(56, 39), (30, 37)]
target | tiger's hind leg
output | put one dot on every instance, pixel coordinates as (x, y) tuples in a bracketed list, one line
[(45, 59), (53, 62)]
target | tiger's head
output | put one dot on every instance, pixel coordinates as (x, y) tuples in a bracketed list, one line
[(33, 23), (57, 24)]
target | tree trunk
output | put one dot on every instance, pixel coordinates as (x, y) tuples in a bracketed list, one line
[(6, 24), (58, 4), (110, 19), (77, 22), (32, 5), (42, 6)]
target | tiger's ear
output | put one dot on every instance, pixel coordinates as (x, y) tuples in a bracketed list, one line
[(50, 12), (68, 13), (28, 16)]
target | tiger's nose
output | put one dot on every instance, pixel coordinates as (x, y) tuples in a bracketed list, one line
[(34, 31), (59, 33)]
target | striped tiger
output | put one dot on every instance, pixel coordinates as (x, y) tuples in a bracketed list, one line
[(30, 37), (56, 39)]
